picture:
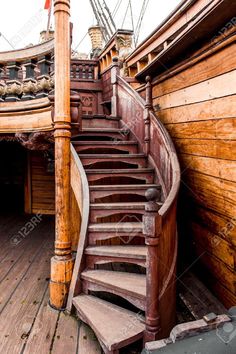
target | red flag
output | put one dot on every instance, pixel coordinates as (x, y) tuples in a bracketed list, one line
[(47, 5)]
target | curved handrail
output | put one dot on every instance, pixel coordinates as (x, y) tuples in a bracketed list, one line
[(159, 148), (169, 146), (79, 184), (20, 55)]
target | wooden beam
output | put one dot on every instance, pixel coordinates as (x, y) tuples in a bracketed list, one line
[(62, 262)]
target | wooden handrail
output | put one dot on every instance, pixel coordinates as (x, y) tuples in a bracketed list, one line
[(20, 55), (159, 225), (167, 144), (80, 187)]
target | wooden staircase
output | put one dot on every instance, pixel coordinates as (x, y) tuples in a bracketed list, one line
[(126, 253), (118, 180)]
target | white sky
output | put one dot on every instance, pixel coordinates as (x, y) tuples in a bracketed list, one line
[(22, 20)]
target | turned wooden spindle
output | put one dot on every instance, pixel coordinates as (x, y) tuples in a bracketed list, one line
[(152, 233), (62, 262), (115, 71), (148, 108)]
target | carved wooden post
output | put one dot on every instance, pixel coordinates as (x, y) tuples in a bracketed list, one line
[(148, 108), (44, 84), (152, 232), (115, 71), (14, 87), (62, 262), (29, 83)]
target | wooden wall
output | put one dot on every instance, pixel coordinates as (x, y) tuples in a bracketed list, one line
[(197, 103), (40, 186)]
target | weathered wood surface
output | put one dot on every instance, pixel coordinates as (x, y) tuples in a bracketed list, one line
[(28, 324), (196, 100), (22, 117), (31, 52), (42, 185), (148, 129)]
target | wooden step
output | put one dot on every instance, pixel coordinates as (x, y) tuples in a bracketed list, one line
[(110, 134), (126, 231), (100, 121), (107, 254), (111, 324), (142, 174), (125, 147), (108, 209), (102, 191), (130, 286), (135, 159)]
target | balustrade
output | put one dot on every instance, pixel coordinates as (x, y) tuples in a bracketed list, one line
[(26, 79), (84, 69)]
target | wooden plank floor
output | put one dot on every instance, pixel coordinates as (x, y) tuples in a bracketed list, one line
[(28, 324)]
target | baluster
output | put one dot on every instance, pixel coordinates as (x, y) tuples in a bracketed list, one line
[(115, 71), (73, 72), (80, 71), (29, 83), (91, 72), (152, 228), (44, 82), (148, 108), (2, 84), (83, 71), (14, 87)]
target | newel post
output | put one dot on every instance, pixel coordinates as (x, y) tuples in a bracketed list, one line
[(152, 232), (62, 262), (148, 108), (115, 71)]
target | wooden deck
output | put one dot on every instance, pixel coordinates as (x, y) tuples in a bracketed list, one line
[(28, 324)]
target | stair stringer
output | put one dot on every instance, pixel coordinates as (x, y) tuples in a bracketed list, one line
[(75, 286)]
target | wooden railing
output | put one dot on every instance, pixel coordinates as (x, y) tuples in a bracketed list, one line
[(84, 70), (159, 225), (79, 218), (26, 73)]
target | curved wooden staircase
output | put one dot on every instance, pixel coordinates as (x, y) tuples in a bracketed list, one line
[(115, 232), (124, 215)]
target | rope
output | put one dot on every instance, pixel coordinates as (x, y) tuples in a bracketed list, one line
[(140, 20), (127, 9), (116, 9)]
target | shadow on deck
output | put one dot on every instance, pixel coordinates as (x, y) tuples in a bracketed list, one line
[(27, 323)]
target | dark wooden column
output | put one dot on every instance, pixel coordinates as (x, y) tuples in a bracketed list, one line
[(62, 262), (152, 232), (115, 71)]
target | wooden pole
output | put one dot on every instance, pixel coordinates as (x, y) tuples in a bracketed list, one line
[(62, 262)]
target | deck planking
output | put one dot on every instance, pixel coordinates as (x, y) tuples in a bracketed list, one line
[(28, 324)]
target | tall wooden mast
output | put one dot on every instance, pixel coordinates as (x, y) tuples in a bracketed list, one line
[(62, 263)]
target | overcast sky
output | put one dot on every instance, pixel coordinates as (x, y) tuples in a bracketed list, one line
[(22, 20)]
